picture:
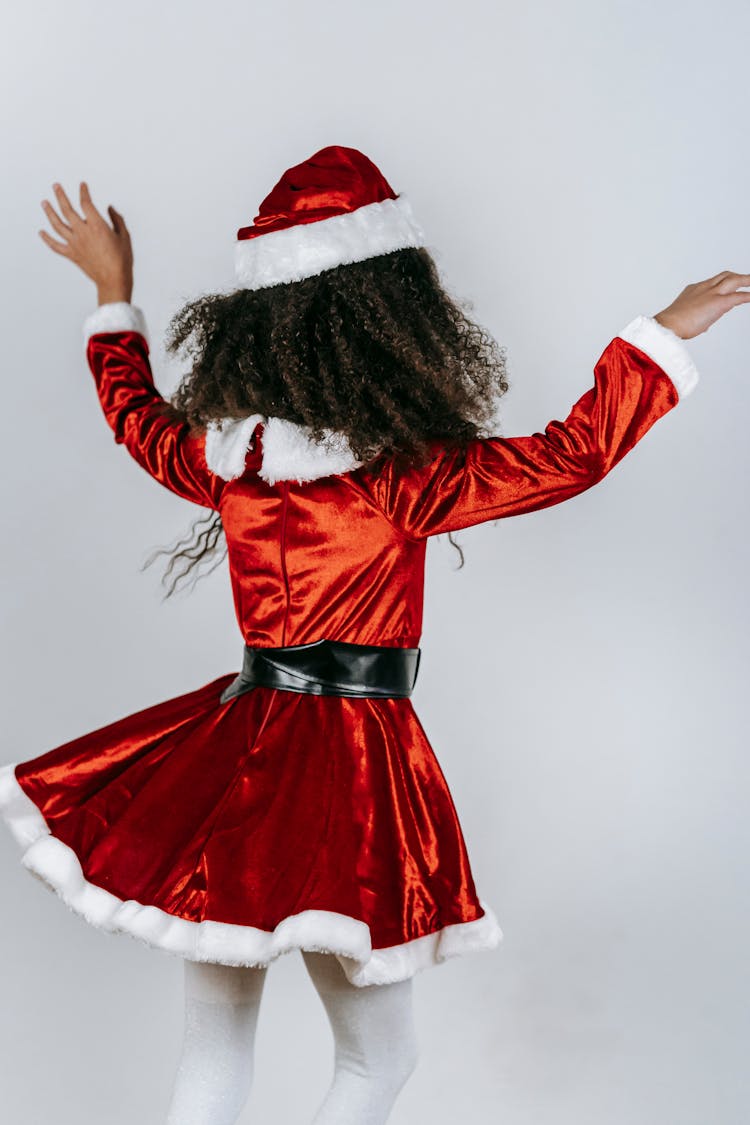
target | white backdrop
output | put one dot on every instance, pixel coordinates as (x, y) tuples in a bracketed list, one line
[(584, 676)]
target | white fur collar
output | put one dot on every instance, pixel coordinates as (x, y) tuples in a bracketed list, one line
[(288, 451)]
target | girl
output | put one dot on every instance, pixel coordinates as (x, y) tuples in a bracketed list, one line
[(334, 418)]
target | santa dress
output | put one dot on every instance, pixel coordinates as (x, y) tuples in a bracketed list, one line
[(233, 832)]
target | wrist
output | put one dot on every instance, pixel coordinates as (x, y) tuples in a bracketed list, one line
[(667, 321), (114, 290)]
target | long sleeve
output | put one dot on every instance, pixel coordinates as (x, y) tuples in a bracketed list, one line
[(641, 375), (117, 351)]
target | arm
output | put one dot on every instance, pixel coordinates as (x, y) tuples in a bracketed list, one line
[(641, 375), (117, 351)]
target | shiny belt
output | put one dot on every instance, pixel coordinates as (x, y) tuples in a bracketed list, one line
[(329, 668)]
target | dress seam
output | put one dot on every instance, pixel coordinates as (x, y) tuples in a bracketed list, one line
[(283, 562)]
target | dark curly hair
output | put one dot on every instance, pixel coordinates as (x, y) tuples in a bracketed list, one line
[(377, 350)]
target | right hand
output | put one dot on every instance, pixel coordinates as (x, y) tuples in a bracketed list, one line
[(699, 305)]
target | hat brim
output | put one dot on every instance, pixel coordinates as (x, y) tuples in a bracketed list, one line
[(307, 249)]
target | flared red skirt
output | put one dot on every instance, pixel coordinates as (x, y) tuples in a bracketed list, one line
[(235, 832)]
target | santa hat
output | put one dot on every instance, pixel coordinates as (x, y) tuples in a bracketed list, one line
[(334, 208)]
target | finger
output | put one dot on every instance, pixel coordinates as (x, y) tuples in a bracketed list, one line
[(117, 221), (65, 206), (87, 203), (710, 282), (723, 276), (55, 220), (732, 281), (738, 299), (58, 247)]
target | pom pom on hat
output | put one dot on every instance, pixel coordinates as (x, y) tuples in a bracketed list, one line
[(332, 209)]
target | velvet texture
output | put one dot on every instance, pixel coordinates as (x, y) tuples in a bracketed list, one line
[(333, 181), (274, 802)]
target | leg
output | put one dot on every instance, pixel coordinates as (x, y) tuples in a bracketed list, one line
[(215, 1073), (374, 1041)]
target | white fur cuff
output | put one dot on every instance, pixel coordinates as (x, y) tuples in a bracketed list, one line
[(665, 348), (115, 316)]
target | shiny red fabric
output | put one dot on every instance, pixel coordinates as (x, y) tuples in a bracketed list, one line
[(276, 802), (333, 181)]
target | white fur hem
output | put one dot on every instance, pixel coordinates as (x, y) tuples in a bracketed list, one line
[(115, 316), (288, 451), (57, 866), (309, 248), (665, 348)]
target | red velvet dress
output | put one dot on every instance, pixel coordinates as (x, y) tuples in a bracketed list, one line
[(275, 821)]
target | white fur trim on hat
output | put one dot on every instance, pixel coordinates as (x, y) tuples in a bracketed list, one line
[(289, 453), (115, 316), (307, 249), (665, 348), (57, 866)]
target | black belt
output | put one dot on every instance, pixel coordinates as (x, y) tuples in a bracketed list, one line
[(329, 668)]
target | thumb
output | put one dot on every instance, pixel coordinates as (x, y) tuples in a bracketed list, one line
[(117, 221)]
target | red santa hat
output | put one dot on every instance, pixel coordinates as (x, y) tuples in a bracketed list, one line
[(334, 208)]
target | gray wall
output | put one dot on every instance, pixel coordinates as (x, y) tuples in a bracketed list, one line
[(574, 165)]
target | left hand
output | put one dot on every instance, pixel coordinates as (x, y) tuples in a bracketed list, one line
[(103, 252)]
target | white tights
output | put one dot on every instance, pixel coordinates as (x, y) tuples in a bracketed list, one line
[(374, 1039)]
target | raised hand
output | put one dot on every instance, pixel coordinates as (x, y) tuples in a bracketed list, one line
[(699, 305), (103, 252)]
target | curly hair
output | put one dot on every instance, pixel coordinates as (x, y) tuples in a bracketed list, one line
[(377, 350)]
